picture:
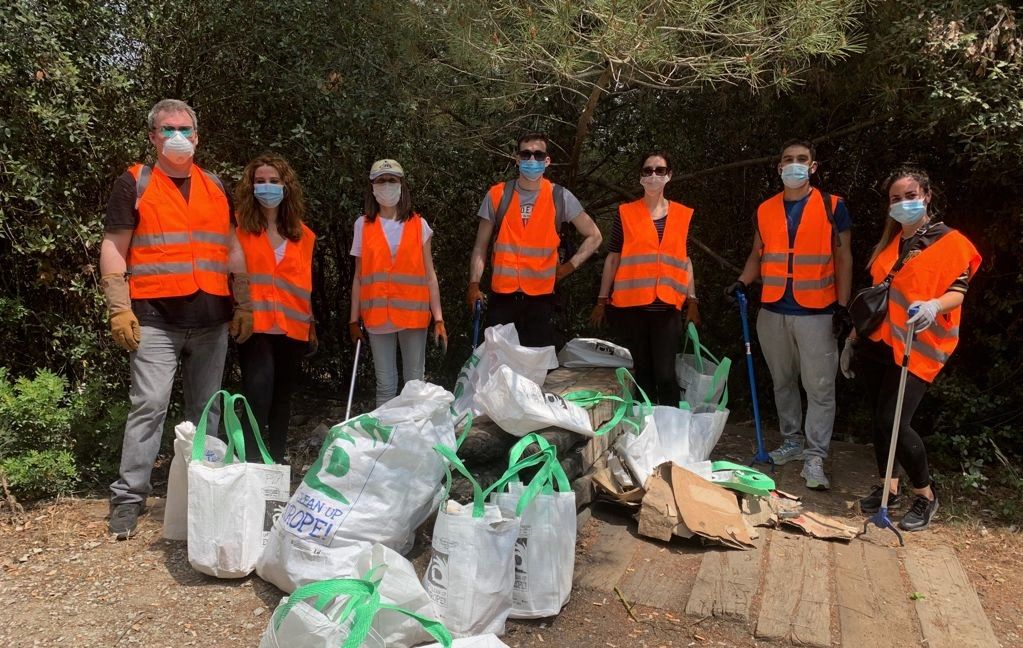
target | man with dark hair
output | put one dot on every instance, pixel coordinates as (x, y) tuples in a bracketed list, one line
[(526, 215), (801, 250), (167, 246)]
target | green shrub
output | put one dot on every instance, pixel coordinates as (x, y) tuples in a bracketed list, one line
[(38, 474), (35, 414)]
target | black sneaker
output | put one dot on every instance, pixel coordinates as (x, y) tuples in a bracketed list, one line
[(920, 514), (124, 518), (872, 503)]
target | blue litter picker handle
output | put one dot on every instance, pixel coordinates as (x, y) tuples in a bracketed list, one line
[(761, 456), (477, 315)]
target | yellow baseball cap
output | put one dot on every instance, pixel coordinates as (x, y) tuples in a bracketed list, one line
[(384, 167)]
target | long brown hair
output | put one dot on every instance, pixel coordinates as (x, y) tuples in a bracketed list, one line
[(292, 209), (371, 207), (891, 226)]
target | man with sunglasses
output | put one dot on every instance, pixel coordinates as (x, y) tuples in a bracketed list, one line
[(167, 246), (527, 214), (801, 251)]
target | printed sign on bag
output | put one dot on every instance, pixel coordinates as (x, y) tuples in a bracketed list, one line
[(437, 577)]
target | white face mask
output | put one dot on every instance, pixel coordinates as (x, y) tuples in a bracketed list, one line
[(178, 149), (653, 184), (387, 194)]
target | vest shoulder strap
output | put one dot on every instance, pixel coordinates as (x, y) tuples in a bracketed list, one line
[(146, 172)]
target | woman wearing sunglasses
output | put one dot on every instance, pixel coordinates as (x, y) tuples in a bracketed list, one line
[(394, 290), (278, 251), (647, 278)]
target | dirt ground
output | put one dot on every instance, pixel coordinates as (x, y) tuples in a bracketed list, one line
[(65, 582)]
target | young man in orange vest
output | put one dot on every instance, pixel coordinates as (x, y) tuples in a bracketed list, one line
[(164, 263), (527, 214), (801, 251)]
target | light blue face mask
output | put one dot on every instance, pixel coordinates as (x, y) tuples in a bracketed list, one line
[(531, 169), (908, 212), (795, 175), (268, 195)]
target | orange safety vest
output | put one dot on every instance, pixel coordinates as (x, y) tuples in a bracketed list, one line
[(395, 289), (526, 255), (178, 247), (811, 259), (927, 275), (280, 291), (652, 269)]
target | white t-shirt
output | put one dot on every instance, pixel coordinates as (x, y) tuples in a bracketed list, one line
[(393, 229)]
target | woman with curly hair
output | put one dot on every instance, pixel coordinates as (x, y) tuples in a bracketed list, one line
[(278, 251)]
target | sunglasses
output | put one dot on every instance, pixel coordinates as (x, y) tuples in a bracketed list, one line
[(168, 131), (646, 172), (526, 154), (385, 180)]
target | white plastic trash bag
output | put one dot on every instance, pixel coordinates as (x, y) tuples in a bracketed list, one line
[(479, 641), (399, 585), (376, 479), (339, 613), (545, 548), (593, 352), (639, 447), (706, 429), (231, 505), (519, 406), (500, 347), (175, 511), (702, 377)]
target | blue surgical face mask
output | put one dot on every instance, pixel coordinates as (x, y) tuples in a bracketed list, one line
[(531, 169), (268, 195), (795, 175), (908, 212)]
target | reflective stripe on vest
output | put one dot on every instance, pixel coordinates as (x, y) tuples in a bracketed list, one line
[(649, 269), (393, 290), (927, 275), (810, 258), (281, 292), (179, 247), (525, 254)]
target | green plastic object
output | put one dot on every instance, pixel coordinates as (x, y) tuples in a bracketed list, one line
[(741, 478)]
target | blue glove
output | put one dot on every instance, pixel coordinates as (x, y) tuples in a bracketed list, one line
[(923, 313)]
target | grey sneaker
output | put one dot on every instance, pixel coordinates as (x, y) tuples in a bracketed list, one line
[(813, 473), (920, 513), (789, 451), (124, 518)]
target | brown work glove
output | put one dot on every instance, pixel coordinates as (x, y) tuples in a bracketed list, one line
[(314, 342), (355, 332), (474, 295), (440, 335), (564, 269), (693, 311), (124, 326), (241, 322), (598, 317)]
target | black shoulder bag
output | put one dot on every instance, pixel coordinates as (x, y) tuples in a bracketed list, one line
[(869, 306)]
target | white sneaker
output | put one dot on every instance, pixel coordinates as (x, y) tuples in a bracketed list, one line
[(813, 473)]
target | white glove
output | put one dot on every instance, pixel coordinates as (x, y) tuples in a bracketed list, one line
[(926, 313), (845, 360)]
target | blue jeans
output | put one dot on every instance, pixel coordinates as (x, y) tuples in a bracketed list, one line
[(385, 361)]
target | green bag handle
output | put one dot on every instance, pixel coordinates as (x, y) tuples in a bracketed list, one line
[(256, 432), (324, 591), (465, 430), (434, 627), (199, 440), (720, 374), (478, 501), (557, 473), (588, 398), (232, 428), (545, 458), (645, 408), (698, 349), (744, 479)]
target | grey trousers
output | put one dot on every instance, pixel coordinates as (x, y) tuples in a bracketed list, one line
[(801, 348), (385, 359), (201, 352)]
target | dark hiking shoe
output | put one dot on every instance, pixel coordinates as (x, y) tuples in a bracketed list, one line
[(124, 518), (872, 503), (920, 513)]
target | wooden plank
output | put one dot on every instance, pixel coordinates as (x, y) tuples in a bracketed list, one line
[(873, 609), (727, 582), (608, 558), (796, 603), (657, 578), (950, 612)]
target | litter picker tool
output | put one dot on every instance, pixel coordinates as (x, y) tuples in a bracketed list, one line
[(355, 371), (880, 519), (761, 456), (477, 315)]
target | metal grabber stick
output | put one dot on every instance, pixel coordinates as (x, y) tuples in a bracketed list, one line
[(761, 456), (477, 315), (355, 371), (880, 519)]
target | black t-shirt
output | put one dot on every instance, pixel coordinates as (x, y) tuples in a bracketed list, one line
[(198, 310)]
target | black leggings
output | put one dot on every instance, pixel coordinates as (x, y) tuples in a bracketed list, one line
[(269, 365), (652, 337), (877, 367)]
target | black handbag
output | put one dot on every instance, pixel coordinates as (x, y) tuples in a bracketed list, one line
[(869, 306)]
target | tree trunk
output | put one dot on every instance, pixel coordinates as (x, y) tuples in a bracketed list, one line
[(582, 128)]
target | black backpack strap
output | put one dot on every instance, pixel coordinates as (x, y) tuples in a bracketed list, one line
[(829, 210), (142, 182), (502, 209), (559, 204)]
